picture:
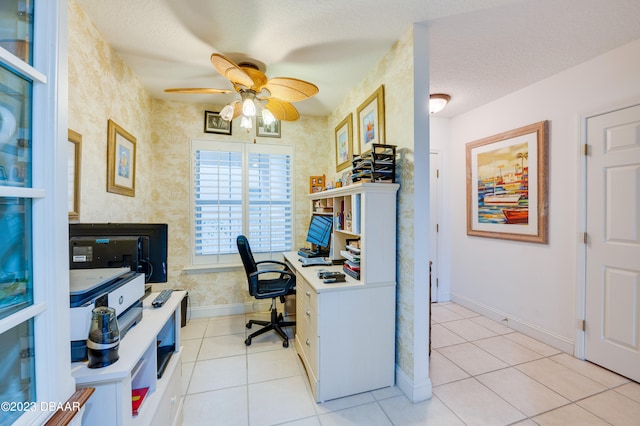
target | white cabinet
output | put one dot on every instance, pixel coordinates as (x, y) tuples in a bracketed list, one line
[(137, 368), (345, 332)]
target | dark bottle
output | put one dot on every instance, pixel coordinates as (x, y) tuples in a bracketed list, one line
[(104, 338)]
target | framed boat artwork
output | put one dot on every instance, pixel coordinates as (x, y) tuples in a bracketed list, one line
[(507, 185)]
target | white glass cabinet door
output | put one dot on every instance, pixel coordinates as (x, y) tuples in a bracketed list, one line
[(17, 370)]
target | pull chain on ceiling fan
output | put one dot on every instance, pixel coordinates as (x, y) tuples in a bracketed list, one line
[(270, 97)]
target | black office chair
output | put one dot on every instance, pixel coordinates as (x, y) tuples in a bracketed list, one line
[(264, 288)]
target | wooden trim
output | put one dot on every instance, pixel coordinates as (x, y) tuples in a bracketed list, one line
[(76, 138), (62, 416)]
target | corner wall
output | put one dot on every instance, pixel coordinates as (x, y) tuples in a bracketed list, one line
[(535, 286), (395, 71)]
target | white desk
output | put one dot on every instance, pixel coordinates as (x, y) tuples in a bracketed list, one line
[(345, 332)]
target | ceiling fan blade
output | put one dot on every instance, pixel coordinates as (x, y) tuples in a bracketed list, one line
[(234, 73), (291, 89), (282, 110), (201, 91), (258, 77)]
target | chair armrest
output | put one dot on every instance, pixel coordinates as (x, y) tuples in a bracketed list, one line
[(272, 261), (272, 271)]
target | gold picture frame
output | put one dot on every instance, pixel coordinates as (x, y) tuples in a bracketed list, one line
[(344, 143), (371, 121), (74, 154), (507, 185), (121, 160)]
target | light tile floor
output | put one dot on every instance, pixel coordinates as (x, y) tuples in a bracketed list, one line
[(483, 373)]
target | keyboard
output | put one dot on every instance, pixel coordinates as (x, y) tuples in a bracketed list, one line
[(312, 261)]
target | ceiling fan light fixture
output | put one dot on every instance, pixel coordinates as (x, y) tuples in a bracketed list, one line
[(227, 112), (267, 117), (248, 107), (246, 122), (248, 103), (437, 102)]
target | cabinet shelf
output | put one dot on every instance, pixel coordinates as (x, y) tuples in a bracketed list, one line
[(363, 212)]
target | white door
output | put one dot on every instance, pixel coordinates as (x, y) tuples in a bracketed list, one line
[(612, 323), (434, 218)]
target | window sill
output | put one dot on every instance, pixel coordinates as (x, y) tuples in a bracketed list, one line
[(204, 269)]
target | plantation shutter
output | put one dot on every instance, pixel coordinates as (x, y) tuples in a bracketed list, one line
[(240, 189), (269, 181), (218, 200)]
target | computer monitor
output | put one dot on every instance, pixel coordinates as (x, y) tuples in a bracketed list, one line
[(152, 246), (319, 233)]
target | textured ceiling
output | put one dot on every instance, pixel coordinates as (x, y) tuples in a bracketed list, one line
[(480, 49)]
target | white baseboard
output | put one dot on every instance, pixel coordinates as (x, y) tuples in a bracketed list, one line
[(229, 309), (416, 392), (550, 338)]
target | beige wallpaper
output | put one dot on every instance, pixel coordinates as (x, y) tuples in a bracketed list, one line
[(102, 87)]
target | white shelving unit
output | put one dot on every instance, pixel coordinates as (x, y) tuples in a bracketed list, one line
[(368, 212), (137, 368), (345, 332)]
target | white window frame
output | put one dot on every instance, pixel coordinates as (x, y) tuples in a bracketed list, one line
[(233, 260), (50, 309)]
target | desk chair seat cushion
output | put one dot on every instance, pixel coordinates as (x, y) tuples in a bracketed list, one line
[(269, 288)]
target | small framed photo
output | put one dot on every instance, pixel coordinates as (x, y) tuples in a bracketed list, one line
[(316, 184), (213, 123), (121, 160), (272, 130), (344, 143)]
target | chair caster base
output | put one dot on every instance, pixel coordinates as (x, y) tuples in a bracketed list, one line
[(248, 341)]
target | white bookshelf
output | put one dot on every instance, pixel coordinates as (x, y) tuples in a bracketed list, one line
[(371, 208), (137, 368)]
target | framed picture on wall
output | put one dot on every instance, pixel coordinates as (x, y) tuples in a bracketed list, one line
[(344, 143), (273, 130), (371, 121), (213, 123), (507, 185), (121, 161)]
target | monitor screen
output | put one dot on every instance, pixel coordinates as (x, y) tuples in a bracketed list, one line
[(153, 238), (320, 230)]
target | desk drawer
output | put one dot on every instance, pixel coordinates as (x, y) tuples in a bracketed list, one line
[(308, 343), (308, 308)]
